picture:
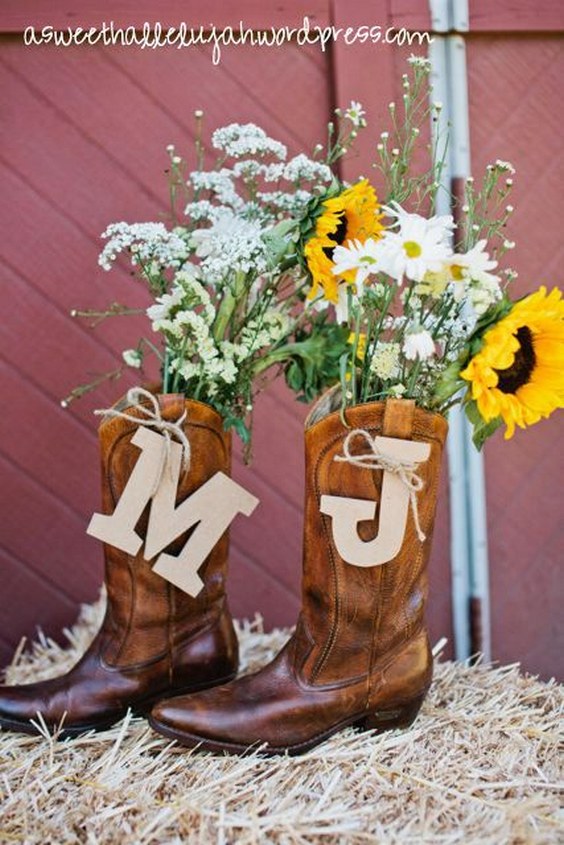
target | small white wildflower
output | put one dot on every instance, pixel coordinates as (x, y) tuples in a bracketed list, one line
[(147, 243), (384, 135), (506, 166), (132, 357), (509, 209), (355, 113), (379, 147), (164, 305), (470, 180), (419, 61), (418, 344), (230, 245), (509, 182), (220, 183), (465, 209), (508, 244), (293, 202), (303, 168), (385, 360), (397, 390), (392, 106), (198, 113), (176, 159), (437, 105), (248, 139), (395, 151), (475, 227), (64, 403), (170, 148)]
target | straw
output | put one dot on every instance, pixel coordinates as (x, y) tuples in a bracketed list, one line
[(479, 765)]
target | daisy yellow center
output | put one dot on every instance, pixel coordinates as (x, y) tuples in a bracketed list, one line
[(457, 272), (412, 249), (519, 373)]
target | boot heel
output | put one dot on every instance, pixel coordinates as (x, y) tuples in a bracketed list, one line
[(392, 718)]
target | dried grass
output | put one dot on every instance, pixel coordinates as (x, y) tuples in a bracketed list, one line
[(480, 765)]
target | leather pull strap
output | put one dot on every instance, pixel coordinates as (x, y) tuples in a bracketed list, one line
[(398, 418)]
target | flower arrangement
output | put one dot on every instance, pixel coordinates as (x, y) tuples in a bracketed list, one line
[(275, 261), (426, 307), (226, 301)]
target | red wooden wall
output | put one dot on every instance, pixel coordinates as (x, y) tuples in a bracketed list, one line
[(83, 133)]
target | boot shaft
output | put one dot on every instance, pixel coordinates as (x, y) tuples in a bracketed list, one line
[(354, 615), (147, 616)]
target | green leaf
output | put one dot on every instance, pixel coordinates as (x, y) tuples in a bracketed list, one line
[(481, 429), (481, 433), (312, 359)]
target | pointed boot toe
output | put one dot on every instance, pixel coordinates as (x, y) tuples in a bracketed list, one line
[(18, 705), (203, 718)]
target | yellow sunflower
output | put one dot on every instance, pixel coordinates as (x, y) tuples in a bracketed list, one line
[(351, 215), (518, 374)]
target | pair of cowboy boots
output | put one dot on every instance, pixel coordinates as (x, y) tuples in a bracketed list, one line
[(360, 653)]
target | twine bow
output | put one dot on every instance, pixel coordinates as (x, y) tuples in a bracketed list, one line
[(153, 419), (375, 459)]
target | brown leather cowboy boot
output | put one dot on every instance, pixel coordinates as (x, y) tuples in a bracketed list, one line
[(360, 654), (155, 640)]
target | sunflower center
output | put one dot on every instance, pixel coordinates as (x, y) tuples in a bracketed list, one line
[(338, 236), (412, 249), (518, 374)]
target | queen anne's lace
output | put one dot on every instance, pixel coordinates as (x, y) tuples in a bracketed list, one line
[(237, 140), (147, 243)]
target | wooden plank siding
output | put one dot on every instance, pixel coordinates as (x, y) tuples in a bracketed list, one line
[(501, 16), (82, 139), (517, 114)]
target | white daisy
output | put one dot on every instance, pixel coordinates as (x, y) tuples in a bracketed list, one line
[(362, 257), (417, 247), (471, 279), (418, 344), (474, 266)]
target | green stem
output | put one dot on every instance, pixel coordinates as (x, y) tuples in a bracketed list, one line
[(277, 357), (227, 307), (166, 363), (413, 379)]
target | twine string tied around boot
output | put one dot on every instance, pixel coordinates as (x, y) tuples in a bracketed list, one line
[(376, 459), (153, 418)]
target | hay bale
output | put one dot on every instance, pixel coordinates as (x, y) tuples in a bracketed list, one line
[(480, 765)]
